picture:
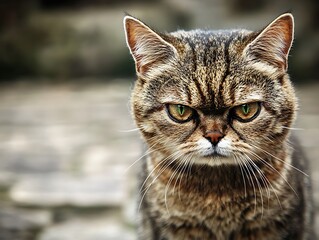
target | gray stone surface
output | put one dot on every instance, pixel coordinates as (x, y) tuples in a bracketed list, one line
[(22, 219), (66, 189), (67, 154), (22, 224), (97, 228), (65, 148)]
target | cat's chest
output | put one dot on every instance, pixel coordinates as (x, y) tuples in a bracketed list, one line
[(179, 207), (220, 214)]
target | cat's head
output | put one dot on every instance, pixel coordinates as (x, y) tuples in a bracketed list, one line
[(213, 97)]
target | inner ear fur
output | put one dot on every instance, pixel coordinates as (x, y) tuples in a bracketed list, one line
[(146, 46), (273, 43)]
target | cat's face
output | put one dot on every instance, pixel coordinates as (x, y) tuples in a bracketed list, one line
[(213, 97)]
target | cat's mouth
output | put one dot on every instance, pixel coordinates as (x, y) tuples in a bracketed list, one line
[(215, 159), (208, 150), (216, 156), (213, 155), (216, 152)]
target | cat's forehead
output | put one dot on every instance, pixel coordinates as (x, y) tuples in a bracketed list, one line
[(211, 95), (211, 73), (217, 39)]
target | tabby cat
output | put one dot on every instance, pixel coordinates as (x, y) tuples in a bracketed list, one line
[(215, 109)]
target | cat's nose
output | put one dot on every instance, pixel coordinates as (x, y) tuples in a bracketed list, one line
[(214, 136)]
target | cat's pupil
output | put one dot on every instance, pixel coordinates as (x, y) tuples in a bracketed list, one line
[(181, 109), (245, 108)]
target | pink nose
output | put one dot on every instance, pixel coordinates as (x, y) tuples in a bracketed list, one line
[(214, 136)]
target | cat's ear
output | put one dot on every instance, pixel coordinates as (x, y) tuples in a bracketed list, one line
[(147, 47), (273, 43)]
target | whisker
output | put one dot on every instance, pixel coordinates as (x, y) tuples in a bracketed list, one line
[(257, 182), (290, 165), (263, 179), (261, 174), (238, 161), (171, 178), (147, 152), (150, 150), (129, 130), (291, 128), (246, 169), (162, 169), (272, 168), (185, 168)]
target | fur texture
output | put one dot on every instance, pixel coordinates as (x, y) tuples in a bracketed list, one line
[(215, 110)]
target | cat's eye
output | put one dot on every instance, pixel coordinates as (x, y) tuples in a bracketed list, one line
[(180, 113), (246, 112)]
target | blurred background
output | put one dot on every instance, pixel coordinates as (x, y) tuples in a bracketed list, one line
[(67, 141)]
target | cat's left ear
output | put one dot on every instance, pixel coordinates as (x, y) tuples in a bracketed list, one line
[(147, 47), (273, 43)]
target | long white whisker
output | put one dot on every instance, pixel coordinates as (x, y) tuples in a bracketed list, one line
[(265, 181), (129, 130), (162, 169), (171, 179), (290, 165), (290, 128), (186, 167), (252, 166), (150, 150), (274, 169), (239, 162), (261, 174), (247, 170)]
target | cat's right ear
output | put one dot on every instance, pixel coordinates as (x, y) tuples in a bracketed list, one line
[(146, 46), (272, 45)]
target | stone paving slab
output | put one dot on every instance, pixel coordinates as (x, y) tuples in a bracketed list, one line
[(56, 190), (22, 224), (103, 227), (81, 230), (67, 146), (17, 218)]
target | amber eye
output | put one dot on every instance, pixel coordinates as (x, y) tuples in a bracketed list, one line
[(180, 113), (246, 112)]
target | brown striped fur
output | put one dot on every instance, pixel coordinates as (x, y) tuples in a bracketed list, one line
[(249, 180)]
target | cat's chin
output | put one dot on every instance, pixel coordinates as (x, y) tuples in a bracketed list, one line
[(215, 160)]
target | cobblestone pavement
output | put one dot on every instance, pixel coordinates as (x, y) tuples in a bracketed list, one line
[(66, 152)]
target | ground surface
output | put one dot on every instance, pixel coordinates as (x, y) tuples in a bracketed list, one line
[(66, 152)]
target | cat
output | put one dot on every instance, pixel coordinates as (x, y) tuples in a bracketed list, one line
[(215, 109)]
